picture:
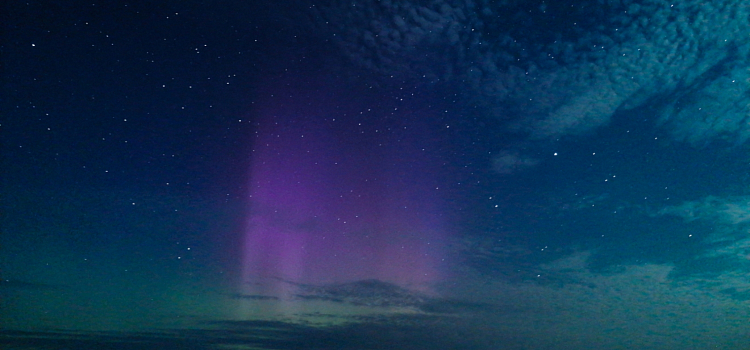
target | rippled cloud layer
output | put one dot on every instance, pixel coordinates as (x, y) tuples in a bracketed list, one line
[(550, 70)]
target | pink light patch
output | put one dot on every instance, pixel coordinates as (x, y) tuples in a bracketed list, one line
[(330, 205)]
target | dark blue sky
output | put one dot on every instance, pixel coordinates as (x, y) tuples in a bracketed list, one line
[(131, 88)]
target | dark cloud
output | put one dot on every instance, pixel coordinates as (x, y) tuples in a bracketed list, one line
[(554, 69), (374, 293)]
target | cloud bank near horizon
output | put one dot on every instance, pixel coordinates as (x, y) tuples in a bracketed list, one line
[(549, 70)]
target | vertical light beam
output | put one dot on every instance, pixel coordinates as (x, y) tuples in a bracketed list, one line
[(335, 202)]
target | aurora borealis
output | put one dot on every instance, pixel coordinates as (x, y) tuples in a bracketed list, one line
[(338, 199)]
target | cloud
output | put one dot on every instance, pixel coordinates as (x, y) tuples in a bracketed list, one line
[(511, 162), (553, 70), (729, 218), (724, 210), (720, 109)]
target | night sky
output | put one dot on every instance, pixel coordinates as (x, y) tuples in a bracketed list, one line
[(375, 175)]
